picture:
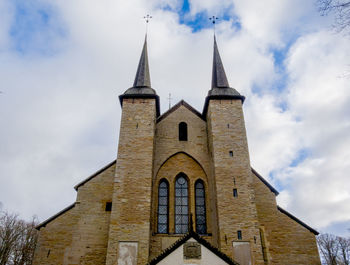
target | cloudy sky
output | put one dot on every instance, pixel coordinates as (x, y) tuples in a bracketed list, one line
[(64, 63)]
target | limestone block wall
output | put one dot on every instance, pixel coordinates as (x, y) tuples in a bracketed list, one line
[(80, 235), (55, 240), (90, 239), (226, 133), (167, 144), (287, 241), (131, 213), (167, 138)]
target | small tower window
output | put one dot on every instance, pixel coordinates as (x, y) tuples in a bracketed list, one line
[(235, 193), (239, 235), (108, 206), (230, 153), (182, 131)]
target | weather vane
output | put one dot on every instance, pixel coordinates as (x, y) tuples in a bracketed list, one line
[(213, 20), (147, 18)]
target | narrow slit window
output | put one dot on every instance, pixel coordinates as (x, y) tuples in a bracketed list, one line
[(182, 131), (235, 193), (230, 153), (163, 207), (108, 207), (181, 204), (239, 235), (201, 222)]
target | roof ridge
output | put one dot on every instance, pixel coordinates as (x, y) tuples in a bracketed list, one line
[(44, 223), (94, 174), (176, 106), (297, 220), (265, 182)]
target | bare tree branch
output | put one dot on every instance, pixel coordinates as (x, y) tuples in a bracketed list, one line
[(17, 240), (341, 10), (334, 250), (344, 248)]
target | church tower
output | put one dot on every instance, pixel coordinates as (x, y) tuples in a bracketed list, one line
[(181, 191), (230, 164), (130, 216)]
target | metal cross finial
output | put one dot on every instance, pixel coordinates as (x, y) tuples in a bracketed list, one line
[(213, 20), (169, 98), (147, 18)]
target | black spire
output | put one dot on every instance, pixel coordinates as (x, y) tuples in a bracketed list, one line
[(219, 79), (219, 83), (142, 83), (142, 78), (220, 88)]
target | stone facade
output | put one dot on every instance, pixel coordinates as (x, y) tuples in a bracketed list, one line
[(231, 170), (150, 150), (286, 240), (114, 220), (79, 234), (130, 218)]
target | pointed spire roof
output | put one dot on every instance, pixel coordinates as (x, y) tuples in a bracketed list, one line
[(142, 83), (219, 79), (220, 88), (142, 78), (219, 83)]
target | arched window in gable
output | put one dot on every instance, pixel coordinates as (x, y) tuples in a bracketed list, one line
[(201, 220), (163, 207), (182, 131), (181, 204)]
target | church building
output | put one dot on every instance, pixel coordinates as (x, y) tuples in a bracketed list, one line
[(181, 191)]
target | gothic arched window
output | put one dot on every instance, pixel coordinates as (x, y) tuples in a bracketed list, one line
[(182, 131), (201, 220), (181, 204), (163, 207)]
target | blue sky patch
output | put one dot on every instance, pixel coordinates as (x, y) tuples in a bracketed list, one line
[(276, 183), (301, 156), (36, 28), (339, 228), (200, 20)]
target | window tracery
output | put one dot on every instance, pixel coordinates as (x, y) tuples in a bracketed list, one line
[(181, 204), (201, 222), (163, 207)]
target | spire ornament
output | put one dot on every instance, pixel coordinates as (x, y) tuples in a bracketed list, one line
[(213, 20), (147, 18)]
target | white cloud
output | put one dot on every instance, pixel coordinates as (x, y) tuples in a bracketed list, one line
[(320, 99), (60, 114), (6, 12)]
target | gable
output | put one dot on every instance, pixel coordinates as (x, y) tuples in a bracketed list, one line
[(174, 254), (184, 104), (167, 137), (179, 255)]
